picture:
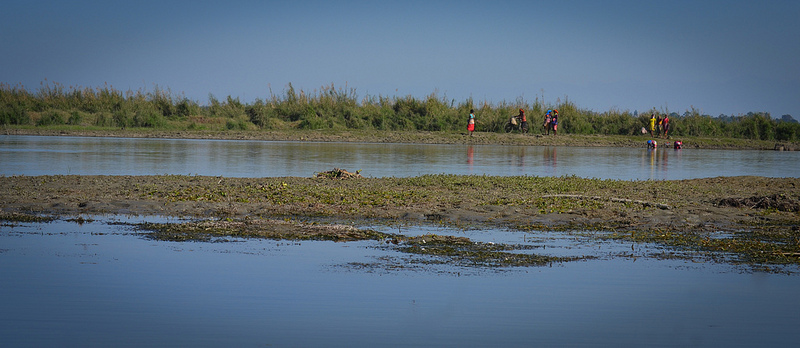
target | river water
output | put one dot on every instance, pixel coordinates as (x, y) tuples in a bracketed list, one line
[(101, 283), (36, 155)]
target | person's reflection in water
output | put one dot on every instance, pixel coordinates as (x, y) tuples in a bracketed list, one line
[(550, 158), (470, 154), (651, 154)]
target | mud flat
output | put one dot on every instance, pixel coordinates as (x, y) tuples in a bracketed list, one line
[(749, 220)]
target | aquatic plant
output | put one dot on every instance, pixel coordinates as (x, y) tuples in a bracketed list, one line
[(18, 217), (458, 251)]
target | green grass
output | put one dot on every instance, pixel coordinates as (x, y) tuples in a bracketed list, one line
[(340, 108)]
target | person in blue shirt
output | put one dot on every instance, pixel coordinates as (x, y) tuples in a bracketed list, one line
[(548, 117)]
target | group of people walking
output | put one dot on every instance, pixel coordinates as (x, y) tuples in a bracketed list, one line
[(659, 127), (550, 121)]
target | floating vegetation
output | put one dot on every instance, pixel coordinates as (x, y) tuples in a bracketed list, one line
[(204, 231), (80, 220), (763, 246), (460, 251), (20, 217), (464, 252)]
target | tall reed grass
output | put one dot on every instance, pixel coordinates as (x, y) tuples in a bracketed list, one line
[(335, 107)]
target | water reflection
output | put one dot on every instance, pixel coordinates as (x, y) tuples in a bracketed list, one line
[(550, 159), (470, 157), (658, 160), (96, 284), (31, 155)]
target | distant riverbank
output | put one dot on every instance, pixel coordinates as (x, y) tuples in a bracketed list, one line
[(409, 137)]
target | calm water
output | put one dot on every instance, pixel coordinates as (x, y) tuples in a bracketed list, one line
[(97, 284), (102, 284), (34, 155)]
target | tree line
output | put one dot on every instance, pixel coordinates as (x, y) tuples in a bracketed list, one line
[(331, 107)]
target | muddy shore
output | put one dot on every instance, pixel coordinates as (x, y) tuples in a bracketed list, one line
[(367, 136), (723, 203), (755, 217)]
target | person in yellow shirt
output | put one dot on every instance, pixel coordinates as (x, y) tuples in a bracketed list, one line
[(652, 124)]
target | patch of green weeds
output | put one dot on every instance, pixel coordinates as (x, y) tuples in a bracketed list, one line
[(464, 252), (19, 217), (743, 247), (459, 251)]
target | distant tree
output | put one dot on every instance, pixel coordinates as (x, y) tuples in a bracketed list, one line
[(726, 118), (788, 118), (760, 113)]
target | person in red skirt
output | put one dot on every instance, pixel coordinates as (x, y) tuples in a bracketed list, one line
[(471, 122)]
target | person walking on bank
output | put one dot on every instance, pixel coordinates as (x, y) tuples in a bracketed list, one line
[(523, 119), (471, 122), (665, 126), (547, 119), (554, 121), (652, 124), (658, 125)]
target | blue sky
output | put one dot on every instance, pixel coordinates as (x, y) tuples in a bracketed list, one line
[(728, 57)]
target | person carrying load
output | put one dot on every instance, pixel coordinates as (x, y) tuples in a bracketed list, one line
[(523, 119), (547, 119), (554, 121)]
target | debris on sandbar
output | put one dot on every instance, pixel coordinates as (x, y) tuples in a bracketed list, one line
[(337, 173)]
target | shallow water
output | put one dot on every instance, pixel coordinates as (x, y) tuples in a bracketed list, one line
[(99, 284), (37, 155)]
